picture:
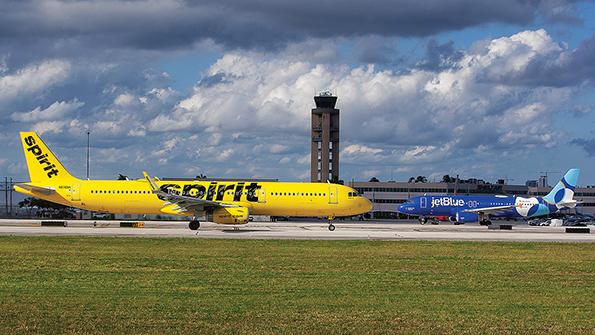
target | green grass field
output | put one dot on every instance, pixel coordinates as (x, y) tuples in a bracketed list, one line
[(84, 285)]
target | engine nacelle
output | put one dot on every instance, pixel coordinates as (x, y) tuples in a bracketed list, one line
[(464, 217), (229, 215)]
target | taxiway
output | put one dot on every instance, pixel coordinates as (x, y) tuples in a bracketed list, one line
[(349, 230)]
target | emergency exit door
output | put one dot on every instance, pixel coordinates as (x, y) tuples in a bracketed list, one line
[(262, 195)]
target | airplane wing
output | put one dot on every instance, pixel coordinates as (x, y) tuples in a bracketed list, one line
[(180, 203), (490, 209), (39, 189)]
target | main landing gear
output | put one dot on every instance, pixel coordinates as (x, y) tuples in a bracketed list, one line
[(485, 222), (194, 225), (331, 226), (423, 220)]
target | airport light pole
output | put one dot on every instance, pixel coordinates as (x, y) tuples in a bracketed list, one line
[(88, 149), (10, 201), (6, 194)]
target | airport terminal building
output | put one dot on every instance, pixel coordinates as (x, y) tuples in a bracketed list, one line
[(386, 196)]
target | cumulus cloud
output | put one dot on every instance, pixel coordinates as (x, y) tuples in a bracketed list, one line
[(32, 79), (49, 127), (532, 58), (251, 110), (462, 105), (57, 110)]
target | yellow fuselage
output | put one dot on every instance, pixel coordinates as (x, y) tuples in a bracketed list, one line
[(261, 198)]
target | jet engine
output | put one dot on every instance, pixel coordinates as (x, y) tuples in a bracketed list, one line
[(229, 215), (464, 217)]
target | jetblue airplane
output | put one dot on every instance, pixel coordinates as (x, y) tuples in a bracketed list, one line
[(465, 208)]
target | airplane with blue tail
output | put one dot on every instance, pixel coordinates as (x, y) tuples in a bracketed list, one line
[(465, 208)]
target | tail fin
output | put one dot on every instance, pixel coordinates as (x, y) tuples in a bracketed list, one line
[(564, 189), (43, 165)]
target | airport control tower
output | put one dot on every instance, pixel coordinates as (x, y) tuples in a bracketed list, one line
[(324, 164)]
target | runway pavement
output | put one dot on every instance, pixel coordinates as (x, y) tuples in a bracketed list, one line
[(301, 230)]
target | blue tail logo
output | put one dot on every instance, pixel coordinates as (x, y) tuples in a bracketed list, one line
[(564, 189)]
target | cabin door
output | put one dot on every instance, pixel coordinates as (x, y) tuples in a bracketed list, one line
[(332, 195), (75, 192), (423, 202)]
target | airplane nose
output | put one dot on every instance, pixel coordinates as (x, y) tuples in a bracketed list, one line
[(368, 205)]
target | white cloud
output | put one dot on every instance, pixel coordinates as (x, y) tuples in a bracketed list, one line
[(224, 155), (49, 127), (278, 148), (125, 99), (253, 93), (33, 79), (251, 112), (57, 110), (359, 148)]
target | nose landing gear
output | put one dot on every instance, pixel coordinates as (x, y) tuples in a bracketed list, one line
[(331, 226)]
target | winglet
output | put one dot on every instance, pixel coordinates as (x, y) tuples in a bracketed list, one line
[(154, 186)]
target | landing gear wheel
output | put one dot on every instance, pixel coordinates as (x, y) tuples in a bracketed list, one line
[(331, 227), (194, 225), (485, 223), (423, 220)]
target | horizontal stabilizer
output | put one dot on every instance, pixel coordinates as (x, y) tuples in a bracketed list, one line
[(39, 189), (570, 203)]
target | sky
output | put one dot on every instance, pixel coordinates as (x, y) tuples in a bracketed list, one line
[(479, 88)]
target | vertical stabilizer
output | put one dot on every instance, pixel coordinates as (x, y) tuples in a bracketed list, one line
[(564, 189), (43, 165)]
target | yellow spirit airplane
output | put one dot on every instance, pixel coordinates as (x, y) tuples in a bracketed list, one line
[(223, 202)]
